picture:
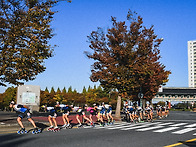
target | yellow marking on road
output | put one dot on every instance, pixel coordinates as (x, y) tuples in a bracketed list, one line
[(177, 144), (8, 132)]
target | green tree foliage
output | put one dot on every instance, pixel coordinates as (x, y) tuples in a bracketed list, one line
[(127, 59), (64, 90), (46, 90), (58, 91), (52, 91), (70, 90), (8, 96), (84, 90), (25, 32)]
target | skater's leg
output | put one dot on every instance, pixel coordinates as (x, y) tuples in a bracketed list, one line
[(67, 119), (32, 122), (86, 118), (50, 120), (55, 123), (20, 122), (64, 121), (77, 118), (110, 115), (90, 117)]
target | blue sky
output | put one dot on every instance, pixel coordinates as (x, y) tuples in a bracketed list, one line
[(173, 20)]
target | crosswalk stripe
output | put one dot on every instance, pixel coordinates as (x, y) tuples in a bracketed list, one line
[(184, 131), (179, 124), (166, 129), (126, 126), (136, 127), (164, 124), (141, 126), (150, 128), (120, 127), (192, 125)]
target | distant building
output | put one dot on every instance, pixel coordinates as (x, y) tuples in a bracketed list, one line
[(176, 94), (192, 63)]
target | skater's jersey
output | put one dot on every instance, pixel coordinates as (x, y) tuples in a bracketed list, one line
[(93, 111), (79, 110), (130, 109), (163, 108), (102, 109), (108, 108), (50, 109), (65, 108), (139, 109), (149, 108), (158, 108), (20, 108)]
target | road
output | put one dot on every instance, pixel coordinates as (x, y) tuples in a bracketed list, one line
[(175, 130)]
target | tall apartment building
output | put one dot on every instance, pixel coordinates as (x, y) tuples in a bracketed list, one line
[(192, 63)]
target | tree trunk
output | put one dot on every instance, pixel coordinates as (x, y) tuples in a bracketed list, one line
[(118, 108)]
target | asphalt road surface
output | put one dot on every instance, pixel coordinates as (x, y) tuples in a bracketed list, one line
[(179, 129)]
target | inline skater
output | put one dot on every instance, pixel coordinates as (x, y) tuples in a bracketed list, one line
[(126, 112), (158, 110), (139, 113), (129, 112), (66, 110), (81, 112), (148, 111), (94, 112), (109, 114), (167, 111), (23, 112), (163, 110), (102, 114), (52, 118)]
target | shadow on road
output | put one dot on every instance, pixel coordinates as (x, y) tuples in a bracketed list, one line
[(14, 140), (189, 144)]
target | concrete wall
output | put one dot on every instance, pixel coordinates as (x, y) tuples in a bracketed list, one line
[(29, 95)]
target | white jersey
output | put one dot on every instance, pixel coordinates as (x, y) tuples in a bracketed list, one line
[(49, 108)]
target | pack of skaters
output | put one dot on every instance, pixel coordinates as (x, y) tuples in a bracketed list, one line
[(23, 112)]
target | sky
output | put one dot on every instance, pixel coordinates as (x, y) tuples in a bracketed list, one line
[(173, 20)]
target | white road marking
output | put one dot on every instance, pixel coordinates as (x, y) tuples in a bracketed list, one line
[(166, 129), (150, 128), (179, 124), (184, 131)]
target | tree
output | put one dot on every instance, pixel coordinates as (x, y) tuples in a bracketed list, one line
[(46, 90), (64, 90), (9, 95), (58, 91), (52, 91), (25, 32), (84, 90), (127, 59), (70, 90)]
